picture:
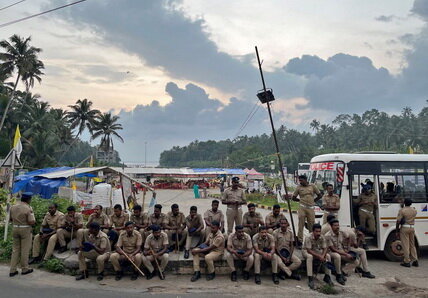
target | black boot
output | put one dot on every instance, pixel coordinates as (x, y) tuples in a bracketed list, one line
[(82, 275), (295, 276), (12, 274), (311, 282), (405, 265), (233, 276), (415, 263), (339, 279), (35, 260), (186, 254), (196, 276), (367, 275), (119, 275), (210, 276), (150, 275), (246, 275), (134, 275), (257, 279), (27, 272), (275, 278), (100, 276), (327, 280), (62, 249), (282, 275)]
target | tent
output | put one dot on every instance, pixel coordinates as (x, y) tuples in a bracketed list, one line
[(253, 174)]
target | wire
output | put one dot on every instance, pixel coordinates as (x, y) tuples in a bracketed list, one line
[(13, 4), (248, 119), (41, 13)]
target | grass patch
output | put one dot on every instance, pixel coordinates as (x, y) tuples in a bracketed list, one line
[(54, 265), (269, 200), (328, 290)]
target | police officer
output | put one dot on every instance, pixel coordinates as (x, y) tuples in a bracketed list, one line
[(195, 229), (140, 220), (22, 218), (330, 203), (234, 198), (240, 247), (213, 214), (306, 193), (117, 221), (156, 218), (264, 249), (367, 202), (335, 239), (252, 220), (70, 225), (405, 231), (100, 218), (272, 219), (156, 247), (175, 227)]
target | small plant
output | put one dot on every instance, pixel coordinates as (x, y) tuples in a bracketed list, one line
[(54, 265), (5, 246), (327, 290)]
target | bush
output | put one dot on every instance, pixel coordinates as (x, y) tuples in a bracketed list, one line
[(4, 193), (54, 265), (5, 246)]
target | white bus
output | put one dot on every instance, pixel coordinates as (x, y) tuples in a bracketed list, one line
[(394, 178)]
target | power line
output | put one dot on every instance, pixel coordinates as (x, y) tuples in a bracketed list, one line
[(248, 119), (41, 13), (13, 4)]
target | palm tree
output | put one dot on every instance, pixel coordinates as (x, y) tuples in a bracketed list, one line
[(106, 127), (82, 116), (19, 56)]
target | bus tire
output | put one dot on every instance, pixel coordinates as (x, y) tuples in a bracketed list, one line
[(393, 248)]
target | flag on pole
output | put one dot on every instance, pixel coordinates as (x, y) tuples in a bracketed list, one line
[(411, 151), (152, 204), (17, 145), (91, 162)]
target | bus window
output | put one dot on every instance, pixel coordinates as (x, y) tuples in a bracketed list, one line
[(400, 187)]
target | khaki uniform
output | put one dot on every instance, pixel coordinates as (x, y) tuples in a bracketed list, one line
[(365, 213), (407, 233), (285, 240), (330, 202), (317, 245), (51, 222), (256, 221), (156, 245), (195, 222), (128, 244), (65, 233), (217, 240), (336, 241), (102, 220), (21, 214), (349, 239), (178, 221), (101, 241), (233, 212), (306, 209), (119, 221), (142, 221), (234, 243), (325, 228), (209, 217), (271, 219), (268, 243)]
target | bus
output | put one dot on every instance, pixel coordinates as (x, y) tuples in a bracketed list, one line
[(303, 168), (394, 177)]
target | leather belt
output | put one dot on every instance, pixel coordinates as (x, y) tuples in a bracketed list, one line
[(365, 210), (21, 226), (408, 226), (306, 206)]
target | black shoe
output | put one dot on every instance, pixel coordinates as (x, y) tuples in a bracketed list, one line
[(233, 276), (186, 254), (12, 274), (275, 278), (295, 276), (339, 279), (311, 282), (246, 275), (62, 249), (257, 279), (358, 270), (415, 264), (327, 280), (282, 275), (27, 272), (150, 275), (299, 245), (134, 276), (196, 276), (367, 275), (161, 275), (119, 275), (100, 276), (35, 260), (405, 265), (210, 276), (83, 275)]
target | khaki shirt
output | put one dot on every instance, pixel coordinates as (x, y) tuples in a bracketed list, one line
[(130, 243), (325, 228), (21, 214), (365, 199), (156, 244), (306, 194), (260, 243), (313, 244), (176, 221), (234, 196), (101, 240), (195, 222), (103, 220), (335, 240), (119, 221), (409, 215), (255, 220), (140, 220), (349, 239), (68, 220), (331, 201), (217, 240), (210, 216), (283, 239), (52, 221), (160, 221), (272, 219), (233, 242)]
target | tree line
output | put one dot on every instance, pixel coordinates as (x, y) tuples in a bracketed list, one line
[(50, 136), (372, 130)]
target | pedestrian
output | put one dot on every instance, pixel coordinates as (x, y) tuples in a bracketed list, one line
[(196, 190), (405, 231), (240, 247), (22, 218), (234, 198)]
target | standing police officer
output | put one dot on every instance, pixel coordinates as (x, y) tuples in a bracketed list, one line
[(406, 233), (234, 198)]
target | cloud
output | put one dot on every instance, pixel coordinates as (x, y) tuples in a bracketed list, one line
[(386, 19), (420, 8)]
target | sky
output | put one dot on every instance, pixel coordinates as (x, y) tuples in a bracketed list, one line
[(182, 70)]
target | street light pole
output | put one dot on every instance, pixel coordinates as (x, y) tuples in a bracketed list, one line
[(265, 94)]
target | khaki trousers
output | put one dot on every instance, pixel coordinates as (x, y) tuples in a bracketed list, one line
[(63, 234), (295, 264), (230, 258), (234, 216), (326, 213), (307, 214), (21, 248), (258, 261), (163, 261), (49, 249), (362, 256), (92, 255), (143, 235), (189, 238), (367, 220), (337, 261), (180, 241), (407, 237), (310, 263), (116, 258), (209, 260)]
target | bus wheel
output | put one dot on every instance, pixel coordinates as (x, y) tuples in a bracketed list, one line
[(393, 249)]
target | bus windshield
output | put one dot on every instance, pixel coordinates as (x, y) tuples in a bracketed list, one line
[(324, 173)]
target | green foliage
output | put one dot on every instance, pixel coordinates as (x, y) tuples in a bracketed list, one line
[(5, 246), (54, 265), (3, 200), (328, 290), (269, 200)]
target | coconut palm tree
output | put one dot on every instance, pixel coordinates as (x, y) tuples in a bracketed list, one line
[(82, 116), (106, 127), (19, 57)]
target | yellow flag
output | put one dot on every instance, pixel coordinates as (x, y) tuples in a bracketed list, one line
[(91, 162), (17, 145), (411, 151)]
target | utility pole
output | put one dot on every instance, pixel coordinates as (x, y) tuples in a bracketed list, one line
[(9, 197), (145, 154), (266, 96)]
